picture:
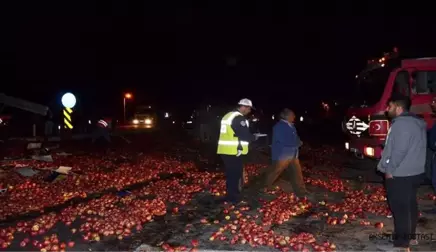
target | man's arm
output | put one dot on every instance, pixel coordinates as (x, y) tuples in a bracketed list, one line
[(400, 145), (298, 140), (241, 130)]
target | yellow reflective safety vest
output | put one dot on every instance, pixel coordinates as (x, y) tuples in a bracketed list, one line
[(228, 143)]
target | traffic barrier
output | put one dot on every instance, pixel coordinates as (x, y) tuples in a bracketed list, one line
[(68, 124)]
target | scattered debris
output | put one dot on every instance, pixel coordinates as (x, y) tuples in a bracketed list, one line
[(64, 154), (33, 146), (27, 171), (63, 169), (45, 158), (145, 248), (123, 193)]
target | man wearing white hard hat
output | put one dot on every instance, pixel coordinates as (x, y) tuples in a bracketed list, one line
[(234, 139)]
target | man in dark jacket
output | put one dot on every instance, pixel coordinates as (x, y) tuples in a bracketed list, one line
[(233, 143), (403, 163), (284, 150)]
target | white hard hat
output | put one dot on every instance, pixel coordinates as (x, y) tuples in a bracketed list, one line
[(246, 102)]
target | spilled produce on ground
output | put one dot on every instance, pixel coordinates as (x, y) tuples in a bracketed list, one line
[(124, 199)]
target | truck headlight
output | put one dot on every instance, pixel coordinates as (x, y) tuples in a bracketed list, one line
[(147, 121), (135, 121)]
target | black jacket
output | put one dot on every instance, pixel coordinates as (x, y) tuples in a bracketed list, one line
[(241, 130)]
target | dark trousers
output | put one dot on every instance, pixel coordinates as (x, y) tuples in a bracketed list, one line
[(433, 172), (233, 170), (291, 168), (402, 195)]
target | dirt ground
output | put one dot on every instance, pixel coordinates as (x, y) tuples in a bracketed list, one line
[(351, 236), (218, 226)]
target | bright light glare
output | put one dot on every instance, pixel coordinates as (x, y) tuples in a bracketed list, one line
[(369, 151), (147, 121), (135, 121), (189, 122), (272, 117), (89, 121), (301, 118), (128, 95), (167, 115), (174, 122), (68, 100)]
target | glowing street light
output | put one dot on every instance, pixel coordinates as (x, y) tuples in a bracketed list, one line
[(68, 100), (127, 96)]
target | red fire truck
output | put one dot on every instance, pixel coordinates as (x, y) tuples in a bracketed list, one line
[(366, 122)]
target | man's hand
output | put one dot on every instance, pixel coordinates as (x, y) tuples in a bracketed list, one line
[(388, 176), (301, 143)]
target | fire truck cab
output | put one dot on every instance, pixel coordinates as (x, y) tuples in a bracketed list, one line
[(366, 122)]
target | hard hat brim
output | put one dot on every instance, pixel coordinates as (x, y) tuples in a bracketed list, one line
[(252, 107)]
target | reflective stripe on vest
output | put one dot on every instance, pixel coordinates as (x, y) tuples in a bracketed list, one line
[(102, 123), (228, 143)]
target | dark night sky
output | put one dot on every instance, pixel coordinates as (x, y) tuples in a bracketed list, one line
[(176, 53)]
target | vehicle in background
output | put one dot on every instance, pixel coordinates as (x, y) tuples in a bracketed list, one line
[(366, 123), (4, 120), (144, 116)]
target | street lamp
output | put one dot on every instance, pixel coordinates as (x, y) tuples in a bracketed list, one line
[(126, 96)]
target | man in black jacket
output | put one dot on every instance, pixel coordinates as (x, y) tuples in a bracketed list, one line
[(233, 143)]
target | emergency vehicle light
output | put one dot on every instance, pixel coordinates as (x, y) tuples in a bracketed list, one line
[(369, 151)]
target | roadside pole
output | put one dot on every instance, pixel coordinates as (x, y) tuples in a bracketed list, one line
[(68, 102)]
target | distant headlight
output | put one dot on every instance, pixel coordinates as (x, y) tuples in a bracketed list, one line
[(147, 121), (135, 121)]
